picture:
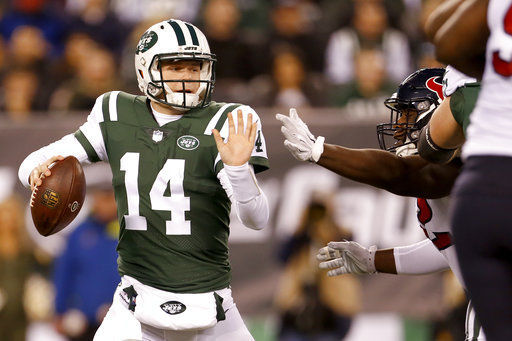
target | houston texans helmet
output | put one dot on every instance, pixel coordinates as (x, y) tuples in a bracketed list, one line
[(411, 107)]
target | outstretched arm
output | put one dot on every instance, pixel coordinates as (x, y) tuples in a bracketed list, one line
[(408, 176), (351, 257)]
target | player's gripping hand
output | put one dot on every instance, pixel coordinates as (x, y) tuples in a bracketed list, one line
[(347, 257), (298, 139), (41, 171), (238, 149)]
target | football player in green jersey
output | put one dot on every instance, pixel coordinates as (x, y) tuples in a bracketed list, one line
[(179, 163)]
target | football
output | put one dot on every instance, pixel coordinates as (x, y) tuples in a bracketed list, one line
[(56, 202)]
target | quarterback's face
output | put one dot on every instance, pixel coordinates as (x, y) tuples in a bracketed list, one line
[(182, 70)]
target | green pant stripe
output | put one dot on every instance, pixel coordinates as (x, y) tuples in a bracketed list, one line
[(178, 31), (91, 153), (193, 34)]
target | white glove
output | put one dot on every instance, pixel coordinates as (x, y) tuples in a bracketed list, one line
[(298, 139), (347, 257)]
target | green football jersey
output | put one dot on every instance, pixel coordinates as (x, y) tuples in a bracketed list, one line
[(462, 103), (172, 209)]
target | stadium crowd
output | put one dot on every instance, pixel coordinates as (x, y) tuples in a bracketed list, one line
[(60, 55)]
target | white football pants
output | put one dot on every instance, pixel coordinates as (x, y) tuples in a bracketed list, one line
[(120, 325)]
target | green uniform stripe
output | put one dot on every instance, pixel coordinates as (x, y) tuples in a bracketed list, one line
[(224, 116), (462, 103), (105, 107), (91, 153), (193, 34), (178, 31)]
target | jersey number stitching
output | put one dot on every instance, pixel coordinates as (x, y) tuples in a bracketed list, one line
[(177, 203), (502, 67)]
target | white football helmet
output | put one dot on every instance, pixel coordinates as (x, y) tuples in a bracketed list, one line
[(174, 40)]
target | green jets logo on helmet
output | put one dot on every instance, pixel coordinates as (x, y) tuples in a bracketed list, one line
[(147, 41), (188, 142)]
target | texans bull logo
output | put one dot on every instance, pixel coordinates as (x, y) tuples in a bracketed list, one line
[(436, 87)]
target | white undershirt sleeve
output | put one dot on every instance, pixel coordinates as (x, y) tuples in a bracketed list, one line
[(420, 258), (69, 145), (248, 199)]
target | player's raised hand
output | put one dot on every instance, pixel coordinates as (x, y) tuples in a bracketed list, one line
[(347, 257), (298, 139), (240, 142), (42, 171)]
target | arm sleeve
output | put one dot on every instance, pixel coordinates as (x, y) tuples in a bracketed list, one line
[(251, 204), (86, 144), (420, 258)]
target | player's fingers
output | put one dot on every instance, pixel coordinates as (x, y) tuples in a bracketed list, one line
[(240, 119), (332, 264), (337, 272), (231, 124), (323, 254), (249, 125), (293, 113), (218, 139), (252, 133), (338, 245)]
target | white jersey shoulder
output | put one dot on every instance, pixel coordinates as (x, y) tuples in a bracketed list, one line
[(491, 121), (454, 79)]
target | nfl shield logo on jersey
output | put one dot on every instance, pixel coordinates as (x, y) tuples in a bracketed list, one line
[(188, 142), (158, 135)]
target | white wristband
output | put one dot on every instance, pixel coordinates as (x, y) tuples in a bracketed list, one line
[(318, 148)]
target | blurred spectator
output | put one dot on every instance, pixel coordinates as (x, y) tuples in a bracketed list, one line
[(19, 91), (39, 14), (293, 24), (96, 74), (94, 18), (370, 81), (370, 30), (313, 306), (16, 266), (85, 274), (237, 61), (235, 58), (290, 84)]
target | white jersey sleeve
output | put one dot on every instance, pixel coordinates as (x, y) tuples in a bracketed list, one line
[(454, 79), (420, 258), (86, 145)]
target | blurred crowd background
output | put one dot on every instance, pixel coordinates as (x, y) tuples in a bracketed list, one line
[(335, 59), (60, 55)]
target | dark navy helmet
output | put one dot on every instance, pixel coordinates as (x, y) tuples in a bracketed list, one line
[(411, 107)]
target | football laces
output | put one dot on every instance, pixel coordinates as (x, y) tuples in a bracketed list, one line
[(33, 196)]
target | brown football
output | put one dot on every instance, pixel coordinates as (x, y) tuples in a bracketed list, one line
[(56, 202)]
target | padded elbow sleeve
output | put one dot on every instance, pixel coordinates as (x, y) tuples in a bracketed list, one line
[(430, 151)]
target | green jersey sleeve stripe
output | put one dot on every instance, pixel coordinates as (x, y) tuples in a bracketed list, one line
[(193, 34), (259, 163), (215, 119), (91, 153), (178, 31), (224, 116), (105, 107)]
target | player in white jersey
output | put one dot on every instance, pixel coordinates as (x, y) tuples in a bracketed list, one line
[(402, 173), (483, 193)]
